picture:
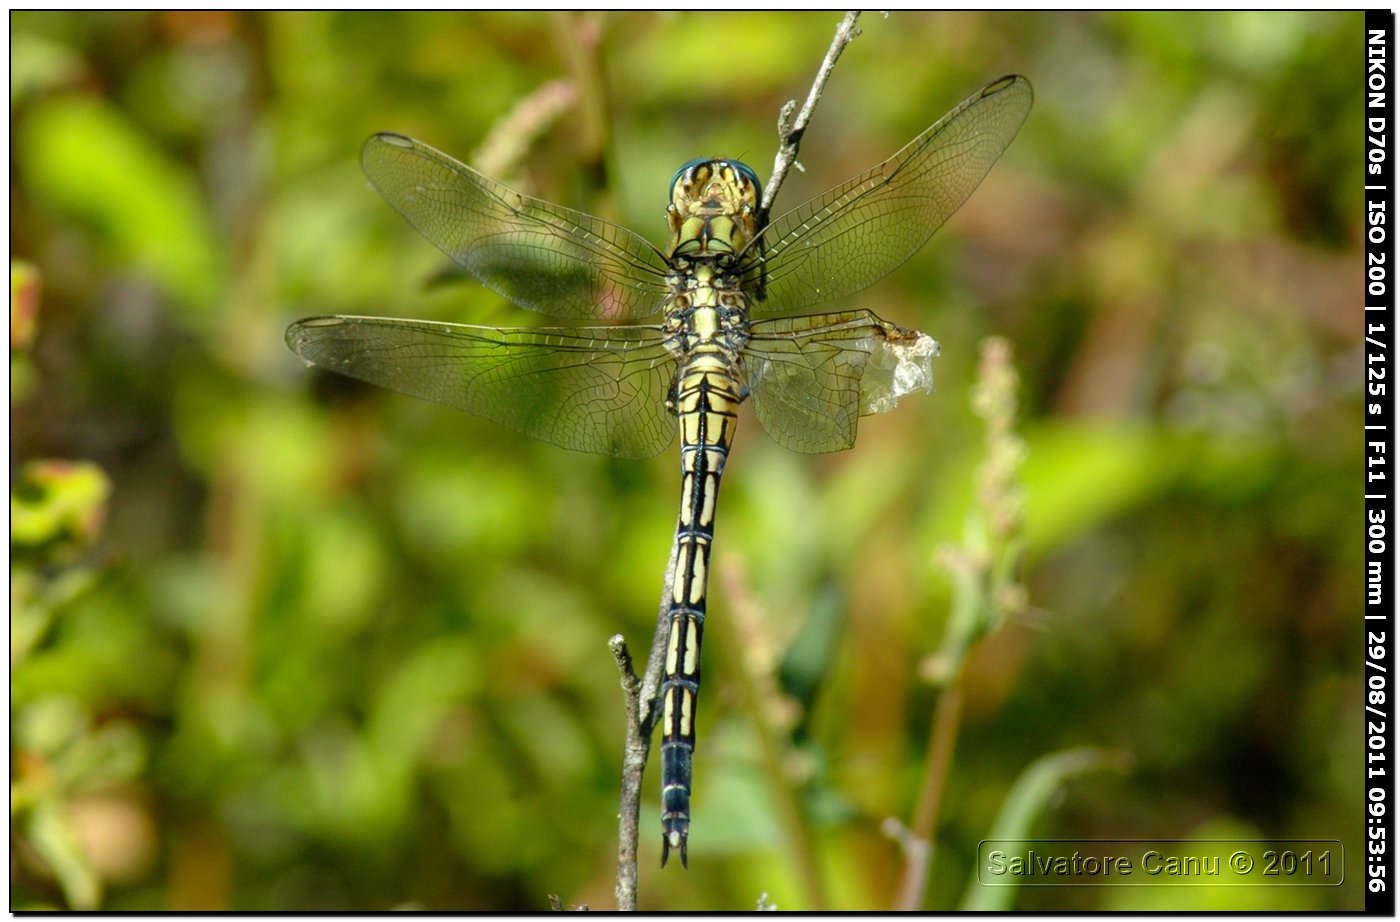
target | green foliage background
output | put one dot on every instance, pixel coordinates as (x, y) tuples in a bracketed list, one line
[(332, 648)]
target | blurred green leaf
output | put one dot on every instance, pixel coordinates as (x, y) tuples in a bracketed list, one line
[(58, 505), (83, 157), (1079, 475), (38, 64), (1042, 780), (50, 830)]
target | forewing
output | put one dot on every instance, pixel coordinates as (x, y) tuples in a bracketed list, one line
[(811, 378), (544, 257), (600, 389), (852, 235)]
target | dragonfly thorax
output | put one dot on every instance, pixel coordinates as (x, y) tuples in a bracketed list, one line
[(706, 310), (713, 209)]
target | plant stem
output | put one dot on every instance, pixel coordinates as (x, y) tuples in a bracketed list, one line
[(790, 133), (943, 736), (640, 698)]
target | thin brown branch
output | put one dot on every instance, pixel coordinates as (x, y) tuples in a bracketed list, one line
[(790, 132), (919, 843), (640, 694), (633, 764), (651, 678)]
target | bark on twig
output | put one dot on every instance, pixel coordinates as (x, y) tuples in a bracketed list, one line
[(634, 760), (790, 132), (640, 695)]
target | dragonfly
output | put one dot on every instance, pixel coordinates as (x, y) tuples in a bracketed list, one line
[(724, 296)]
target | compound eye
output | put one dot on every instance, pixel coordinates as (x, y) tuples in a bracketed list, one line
[(687, 170)]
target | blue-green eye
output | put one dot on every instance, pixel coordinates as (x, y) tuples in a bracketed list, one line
[(748, 172), (688, 165), (740, 166)]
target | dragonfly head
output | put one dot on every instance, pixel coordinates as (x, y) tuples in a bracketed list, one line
[(714, 206)]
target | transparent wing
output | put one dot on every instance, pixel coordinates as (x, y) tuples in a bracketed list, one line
[(544, 257), (858, 232), (812, 377), (600, 389)]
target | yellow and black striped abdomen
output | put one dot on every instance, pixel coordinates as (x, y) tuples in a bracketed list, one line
[(706, 402)]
